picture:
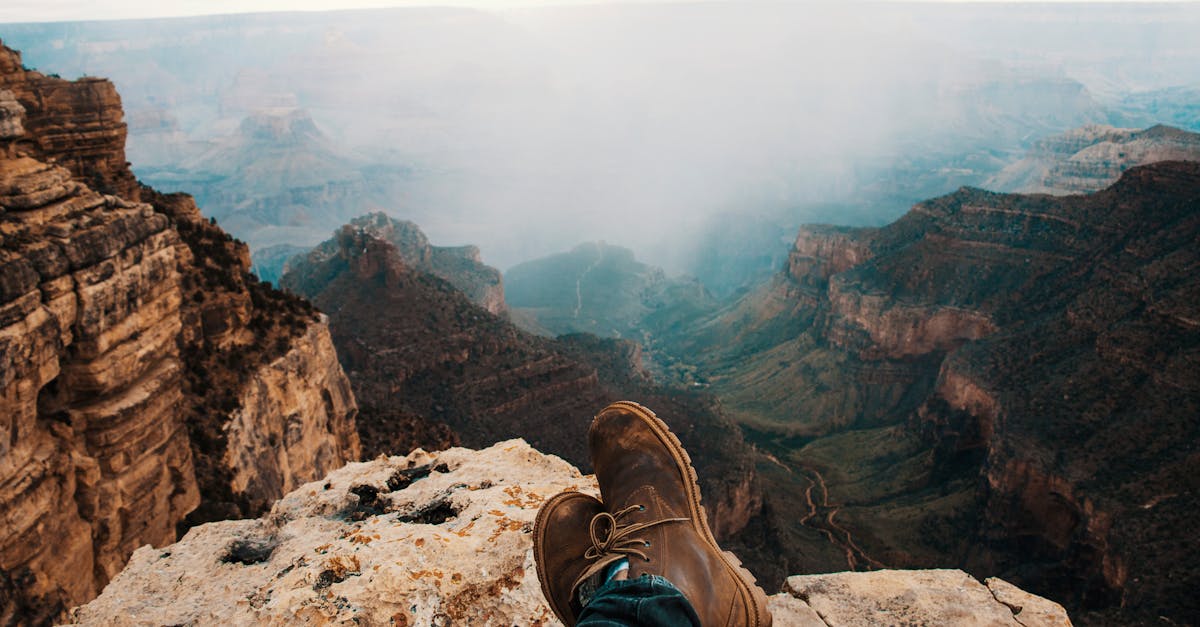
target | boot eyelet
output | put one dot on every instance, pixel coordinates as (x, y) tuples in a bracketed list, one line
[(641, 508), (647, 545)]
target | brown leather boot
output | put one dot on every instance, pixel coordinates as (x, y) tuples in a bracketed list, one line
[(562, 549), (649, 488)]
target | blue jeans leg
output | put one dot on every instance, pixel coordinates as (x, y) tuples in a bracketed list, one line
[(648, 601)]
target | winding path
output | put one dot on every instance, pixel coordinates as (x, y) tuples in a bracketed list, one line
[(856, 557), (579, 280)]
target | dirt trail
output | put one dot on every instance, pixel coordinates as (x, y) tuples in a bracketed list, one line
[(579, 282), (839, 536)]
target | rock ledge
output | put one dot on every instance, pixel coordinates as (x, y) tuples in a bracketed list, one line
[(445, 538)]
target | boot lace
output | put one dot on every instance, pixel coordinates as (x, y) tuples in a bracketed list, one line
[(610, 535)]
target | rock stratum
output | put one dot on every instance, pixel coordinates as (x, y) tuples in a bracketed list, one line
[(445, 538), (1090, 158), (996, 381), (143, 371)]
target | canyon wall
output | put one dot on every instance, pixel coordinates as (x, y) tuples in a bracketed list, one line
[(137, 354), (991, 381), (1090, 158), (96, 458)]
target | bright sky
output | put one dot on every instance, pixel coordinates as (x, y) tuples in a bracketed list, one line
[(72, 10)]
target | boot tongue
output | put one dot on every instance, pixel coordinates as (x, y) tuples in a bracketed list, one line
[(591, 580)]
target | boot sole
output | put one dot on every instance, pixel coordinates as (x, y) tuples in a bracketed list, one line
[(755, 598), (539, 545)]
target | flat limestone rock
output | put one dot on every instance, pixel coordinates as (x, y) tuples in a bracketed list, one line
[(916, 598), (1029, 609), (445, 538)]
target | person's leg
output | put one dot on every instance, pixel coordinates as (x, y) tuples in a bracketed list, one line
[(648, 600), (645, 556), (654, 518)]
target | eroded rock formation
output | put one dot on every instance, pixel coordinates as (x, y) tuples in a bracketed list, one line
[(460, 266), (445, 537), (421, 354), (136, 352), (993, 381), (95, 457), (1093, 157)]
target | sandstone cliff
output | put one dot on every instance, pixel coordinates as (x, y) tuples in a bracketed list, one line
[(1093, 157), (444, 538), (993, 381), (96, 459), (135, 353)]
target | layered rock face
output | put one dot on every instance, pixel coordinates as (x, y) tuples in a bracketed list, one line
[(78, 124), (441, 538), (96, 459), (295, 421), (1093, 157), (419, 353), (138, 353), (993, 381)]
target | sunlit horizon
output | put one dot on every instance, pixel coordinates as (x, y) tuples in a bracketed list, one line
[(25, 11)]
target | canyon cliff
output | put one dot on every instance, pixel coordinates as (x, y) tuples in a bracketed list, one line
[(141, 364), (1090, 158), (446, 538), (419, 353), (999, 382)]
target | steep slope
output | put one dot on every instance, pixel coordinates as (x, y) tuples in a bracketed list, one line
[(1091, 158), (143, 367), (445, 538), (415, 346), (995, 381)]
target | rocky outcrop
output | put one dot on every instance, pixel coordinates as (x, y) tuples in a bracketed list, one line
[(294, 422), (820, 252), (913, 597), (78, 124), (437, 538), (1093, 157), (12, 116), (134, 347), (460, 266)]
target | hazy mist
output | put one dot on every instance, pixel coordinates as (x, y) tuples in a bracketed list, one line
[(527, 131)]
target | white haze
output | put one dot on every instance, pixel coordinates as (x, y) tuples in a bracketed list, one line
[(527, 131)]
